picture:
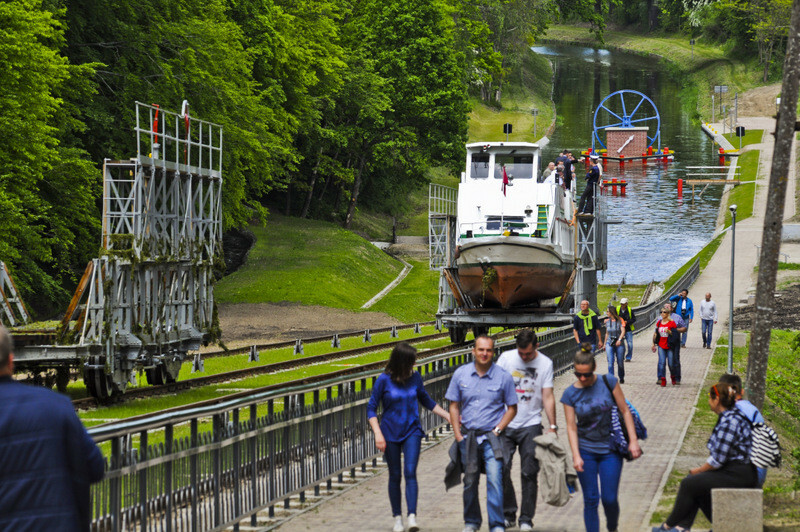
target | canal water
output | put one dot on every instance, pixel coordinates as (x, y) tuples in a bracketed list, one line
[(659, 232)]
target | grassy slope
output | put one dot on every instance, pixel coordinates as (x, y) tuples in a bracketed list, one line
[(743, 196), (782, 412), (311, 262)]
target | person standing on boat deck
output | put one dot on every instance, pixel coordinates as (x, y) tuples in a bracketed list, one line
[(551, 168), (483, 402), (586, 327), (626, 313), (615, 349), (708, 317), (532, 372), (586, 205), (400, 391), (569, 169), (685, 308)]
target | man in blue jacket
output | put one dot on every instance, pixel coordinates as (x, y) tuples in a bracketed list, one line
[(49, 460), (684, 307)]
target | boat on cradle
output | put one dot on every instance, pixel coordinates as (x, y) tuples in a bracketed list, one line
[(516, 239)]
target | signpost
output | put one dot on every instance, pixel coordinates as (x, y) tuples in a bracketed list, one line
[(720, 89), (507, 129), (535, 113), (740, 134)]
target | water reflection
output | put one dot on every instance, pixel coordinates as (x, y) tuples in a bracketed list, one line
[(658, 231)]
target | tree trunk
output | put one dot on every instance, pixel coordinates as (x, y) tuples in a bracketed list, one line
[(310, 194), (773, 220), (288, 199), (351, 208)]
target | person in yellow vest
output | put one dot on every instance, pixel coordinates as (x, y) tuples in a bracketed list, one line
[(586, 326), (625, 312)]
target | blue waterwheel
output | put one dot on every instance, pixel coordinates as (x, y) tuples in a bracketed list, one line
[(627, 108)]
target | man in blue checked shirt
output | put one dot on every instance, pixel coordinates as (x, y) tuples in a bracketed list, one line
[(483, 397)]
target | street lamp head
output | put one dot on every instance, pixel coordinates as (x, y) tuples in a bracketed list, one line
[(733, 209)]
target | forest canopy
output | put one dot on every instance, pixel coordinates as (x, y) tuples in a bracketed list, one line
[(326, 106)]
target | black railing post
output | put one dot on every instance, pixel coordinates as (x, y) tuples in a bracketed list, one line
[(168, 435), (115, 485), (254, 498), (219, 429), (143, 481), (193, 472), (237, 465)]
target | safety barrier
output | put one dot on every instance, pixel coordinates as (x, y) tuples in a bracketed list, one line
[(214, 467)]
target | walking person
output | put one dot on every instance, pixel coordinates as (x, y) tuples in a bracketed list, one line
[(685, 308), (586, 326), (483, 402), (728, 464), (708, 317), (587, 409), (682, 327), (399, 390), (625, 312), (49, 460), (664, 341), (615, 350), (532, 372)]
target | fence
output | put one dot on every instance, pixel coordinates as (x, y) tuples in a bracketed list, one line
[(214, 467)]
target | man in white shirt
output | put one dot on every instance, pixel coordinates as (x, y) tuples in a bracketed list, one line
[(708, 317), (532, 372)]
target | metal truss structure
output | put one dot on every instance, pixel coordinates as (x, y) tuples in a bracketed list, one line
[(149, 299), (13, 311), (442, 206), (591, 252)]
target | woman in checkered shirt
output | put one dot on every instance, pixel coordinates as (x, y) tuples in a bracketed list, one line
[(728, 464)]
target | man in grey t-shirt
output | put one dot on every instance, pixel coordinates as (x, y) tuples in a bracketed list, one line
[(708, 317), (532, 372)]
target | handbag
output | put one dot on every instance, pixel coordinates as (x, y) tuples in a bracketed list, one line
[(619, 431)]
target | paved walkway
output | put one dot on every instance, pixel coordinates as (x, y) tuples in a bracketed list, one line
[(666, 411)]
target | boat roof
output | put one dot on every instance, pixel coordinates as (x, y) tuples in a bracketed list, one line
[(505, 145)]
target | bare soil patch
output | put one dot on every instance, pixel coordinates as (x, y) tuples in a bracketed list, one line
[(759, 101), (250, 323), (787, 310)]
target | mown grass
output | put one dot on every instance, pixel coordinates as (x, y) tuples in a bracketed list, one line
[(781, 411), (704, 255), (707, 66), (416, 298), (525, 90), (752, 136), (309, 262), (633, 292), (743, 196)]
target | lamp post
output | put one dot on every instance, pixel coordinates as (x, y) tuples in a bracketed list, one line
[(730, 314), (535, 113)]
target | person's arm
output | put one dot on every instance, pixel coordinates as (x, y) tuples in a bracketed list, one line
[(599, 339), (691, 311), (627, 416), (655, 338), (575, 334), (702, 469), (508, 417), (441, 412), (380, 441), (715, 312), (455, 419), (572, 436), (631, 315), (549, 402), (682, 327), (621, 332)]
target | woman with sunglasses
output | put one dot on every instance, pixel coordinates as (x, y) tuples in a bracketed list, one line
[(587, 409), (663, 340), (728, 464), (400, 391)]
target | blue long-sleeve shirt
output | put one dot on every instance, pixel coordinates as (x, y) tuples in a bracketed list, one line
[(400, 402), (679, 309)]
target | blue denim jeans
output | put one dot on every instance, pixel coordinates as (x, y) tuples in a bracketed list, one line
[(707, 328), (629, 341), (410, 448), (665, 356), (685, 333), (608, 467), (617, 352), (494, 489)]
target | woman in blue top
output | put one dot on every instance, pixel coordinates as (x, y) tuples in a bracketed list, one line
[(728, 464), (587, 409), (400, 391)]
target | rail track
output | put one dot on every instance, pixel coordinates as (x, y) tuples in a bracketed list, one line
[(197, 382), (211, 379)]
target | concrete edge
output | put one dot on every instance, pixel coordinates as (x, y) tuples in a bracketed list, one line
[(402, 275)]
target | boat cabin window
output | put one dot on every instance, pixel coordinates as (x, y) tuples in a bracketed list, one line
[(499, 222), (479, 166), (518, 166)]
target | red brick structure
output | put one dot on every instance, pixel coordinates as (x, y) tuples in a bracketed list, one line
[(617, 137)]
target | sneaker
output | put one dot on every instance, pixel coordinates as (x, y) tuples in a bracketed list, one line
[(525, 526), (470, 528), (622, 380), (674, 382), (663, 381), (398, 524), (628, 359), (683, 345), (509, 523), (704, 345), (412, 523)]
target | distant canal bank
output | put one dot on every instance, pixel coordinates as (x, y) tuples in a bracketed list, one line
[(657, 230)]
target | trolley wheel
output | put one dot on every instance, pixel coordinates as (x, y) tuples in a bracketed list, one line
[(99, 384), (156, 376), (457, 334)]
